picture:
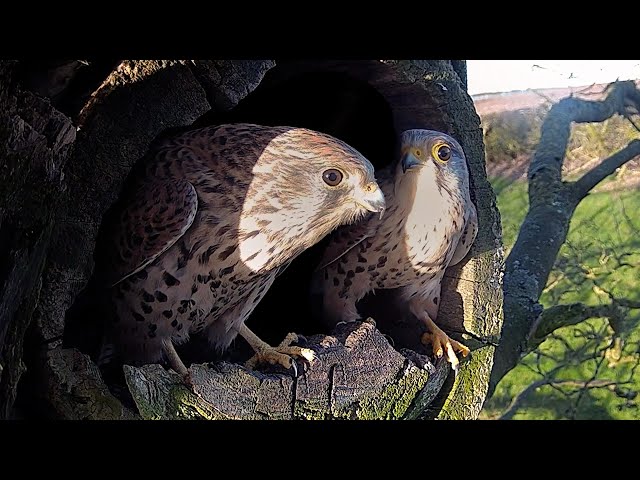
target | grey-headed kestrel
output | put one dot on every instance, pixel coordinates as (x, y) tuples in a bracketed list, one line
[(430, 224), (215, 214)]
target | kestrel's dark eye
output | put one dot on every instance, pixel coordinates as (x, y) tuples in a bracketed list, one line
[(332, 177), (442, 152)]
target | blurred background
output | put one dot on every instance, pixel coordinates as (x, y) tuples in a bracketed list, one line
[(590, 370)]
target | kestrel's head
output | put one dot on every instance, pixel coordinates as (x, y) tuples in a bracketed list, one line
[(318, 175), (305, 185), (435, 153)]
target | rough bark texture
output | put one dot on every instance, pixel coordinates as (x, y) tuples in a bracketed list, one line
[(552, 203), (35, 143), (358, 375), (72, 388), (137, 101)]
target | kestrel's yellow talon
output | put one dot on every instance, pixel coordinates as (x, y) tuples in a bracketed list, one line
[(280, 355), (288, 340), (451, 356), (463, 349), (440, 341)]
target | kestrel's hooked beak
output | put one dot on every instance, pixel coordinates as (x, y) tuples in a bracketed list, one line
[(373, 199), (409, 160)]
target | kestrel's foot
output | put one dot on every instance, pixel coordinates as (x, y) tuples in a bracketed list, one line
[(441, 342), (177, 365), (280, 355)]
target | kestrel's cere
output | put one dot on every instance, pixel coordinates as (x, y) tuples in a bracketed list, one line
[(212, 217), (430, 224)]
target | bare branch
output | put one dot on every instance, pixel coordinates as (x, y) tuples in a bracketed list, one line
[(588, 91), (559, 316), (628, 117), (590, 179), (581, 385), (623, 302), (587, 384), (556, 129), (542, 95), (552, 204), (517, 400)]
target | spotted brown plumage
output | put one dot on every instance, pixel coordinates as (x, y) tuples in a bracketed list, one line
[(430, 223), (214, 215)]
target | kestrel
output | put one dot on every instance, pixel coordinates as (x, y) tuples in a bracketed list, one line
[(211, 218), (430, 223)]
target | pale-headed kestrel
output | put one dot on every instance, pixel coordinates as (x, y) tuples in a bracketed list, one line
[(215, 215), (430, 223)]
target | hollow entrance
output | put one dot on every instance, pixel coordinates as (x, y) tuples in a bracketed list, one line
[(361, 103)]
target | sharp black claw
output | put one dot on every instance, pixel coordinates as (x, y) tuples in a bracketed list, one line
[(430, 367), (301, 338), (295, 368)]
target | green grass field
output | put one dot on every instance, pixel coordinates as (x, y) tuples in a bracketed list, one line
[(602, 253)]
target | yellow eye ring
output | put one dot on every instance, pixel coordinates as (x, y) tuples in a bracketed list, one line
[(441, 152)]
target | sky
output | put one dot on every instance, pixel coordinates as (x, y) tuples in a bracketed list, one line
[(486, 76)]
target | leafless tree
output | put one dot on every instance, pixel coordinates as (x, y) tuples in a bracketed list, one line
[(530, 265)]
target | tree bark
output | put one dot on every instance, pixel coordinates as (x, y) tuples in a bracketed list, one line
[(139, 100), (358, 375), (35, 143)]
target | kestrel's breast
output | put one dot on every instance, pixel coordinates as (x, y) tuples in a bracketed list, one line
[(419, 245)]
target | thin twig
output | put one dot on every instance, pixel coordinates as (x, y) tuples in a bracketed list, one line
[(590, 179), (584, 385)]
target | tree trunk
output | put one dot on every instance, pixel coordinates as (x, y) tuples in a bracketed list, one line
[(53, 199)]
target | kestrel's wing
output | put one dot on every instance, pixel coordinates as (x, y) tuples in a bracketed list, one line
[(155, 217), (282, 268), (468, 236)]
